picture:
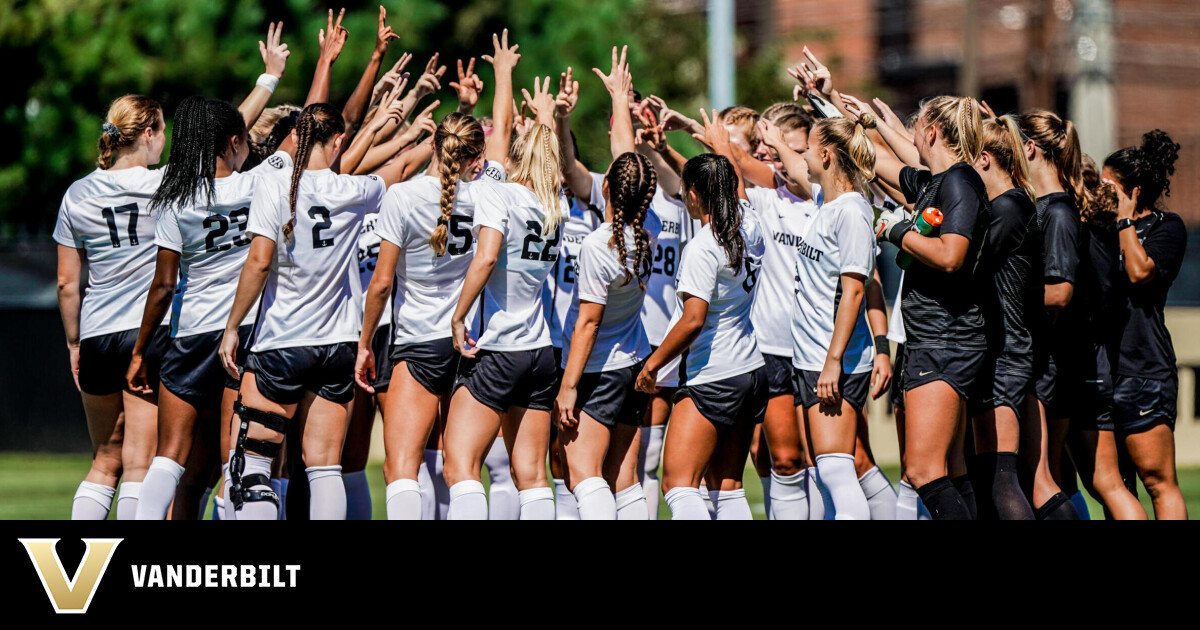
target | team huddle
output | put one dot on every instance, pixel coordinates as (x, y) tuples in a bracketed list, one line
[(290, 271)]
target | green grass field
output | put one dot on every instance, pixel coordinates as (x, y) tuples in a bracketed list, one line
[(40, 486)]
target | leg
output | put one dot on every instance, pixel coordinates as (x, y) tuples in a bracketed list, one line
[(621, 470), (503, 502), (932, 414), (881, 498), (654, 432), (565, 506), (832, 430), (781, 427), (324, 435), (255, 440), (176, 427), (760, 457), (956, 464), (354, 457), (202, 470), (1040, 486), (726, 470), (584, 447), (688, 448), (1095, 453), (471, 427), (106, 426), (527, 436), (1153, 452), (997, 438), (137, 451)]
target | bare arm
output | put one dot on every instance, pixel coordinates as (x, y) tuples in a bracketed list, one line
[(250, 286), (579, 180), (158, 300), (356, 105), (404, 166), (503, 61), (619, 81), (275, 56), (881, 372), (388, 110), (70, 298), (678, 339), (487, 252), (1058, 295), (946, 252), (843, 327), (331, 39), (374, 302), (583, 339)]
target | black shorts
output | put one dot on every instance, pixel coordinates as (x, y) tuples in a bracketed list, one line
[(1059, 385), (956, 367), (732, 401), (610, 397), (1005, 381), (284, 374), (434, 364), (897, 389), (521, 378), (854, 388), (381, 347), (192, 370), (1140, 402), (779, 376), (104, 360)]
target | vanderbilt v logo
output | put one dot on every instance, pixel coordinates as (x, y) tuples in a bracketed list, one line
[(72, 596)]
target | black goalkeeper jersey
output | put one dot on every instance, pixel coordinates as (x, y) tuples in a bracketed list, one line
[(1010, 274)]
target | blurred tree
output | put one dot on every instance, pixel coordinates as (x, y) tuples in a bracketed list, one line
[(68, 59)]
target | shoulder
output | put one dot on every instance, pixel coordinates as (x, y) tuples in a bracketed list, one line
[(963, 179), (495, 172), (1012, 203)]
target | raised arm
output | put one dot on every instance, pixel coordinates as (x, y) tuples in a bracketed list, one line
[(468, 87), (274, 55), (503, 62), (579, 180), (332, 39), (618, 82), (541, 102), (901, 145), (356, 106), (793, 162), (380, 154), (389, 110), (716, 135), (652, 143)]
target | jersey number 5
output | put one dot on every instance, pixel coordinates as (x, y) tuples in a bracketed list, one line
[(460, 227), (528, 251), (323, 224)]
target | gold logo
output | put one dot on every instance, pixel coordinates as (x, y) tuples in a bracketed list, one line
[(73, 596)]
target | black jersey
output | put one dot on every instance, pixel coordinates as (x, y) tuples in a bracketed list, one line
[(1102, 298), (1012, 259), (1146, 348), (1063, 241), (940, 309)]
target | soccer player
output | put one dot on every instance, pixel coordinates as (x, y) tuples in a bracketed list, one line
[(104, 222)]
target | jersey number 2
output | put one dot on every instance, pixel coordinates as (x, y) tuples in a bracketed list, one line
[(529, 253), (323, 224)]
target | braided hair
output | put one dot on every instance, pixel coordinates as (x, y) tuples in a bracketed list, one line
[(712, 178), (318, 124), (201, 133), (458, 140), (631, 184), (536, 155)]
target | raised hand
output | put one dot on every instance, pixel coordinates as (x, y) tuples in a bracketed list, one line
[(856, 107), (429, 81), (505, 57), (332, 38), (671, 120), (541, 103), (770, 134), (888, 116), (468, 86), (715, 134), (647, 131), (815, 74), (384, 33), (987, 110), (390, 78), (274, 53), (568, 95), (391, 108), (618, 80), (423, 123)]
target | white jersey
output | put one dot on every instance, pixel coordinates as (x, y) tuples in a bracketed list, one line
[(839, 240), (368, 256), (514, 303), (783, 218), (896, 323), (313, 295), (212, 244), (427, 285), (584, 220), (621, 340), (660, 301), (107, 214), (726, 346)]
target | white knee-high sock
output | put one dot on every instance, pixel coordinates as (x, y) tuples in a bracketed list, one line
[(766, 494), (428, 497), (881, 499), (218, 508), (358, 496), (404, 500), (227, 502), (816, 499), (92, 501), (158, 489), (732, 506), (441, 491), (327, 493), (468, 501), (686, 504), (789, 498), (709, 498), (595, 499), (837, 473), (255, 510), (649, 458), (127, 500), (503, 504), (906, 502), (537, 504), (565, 507), (631, 504)]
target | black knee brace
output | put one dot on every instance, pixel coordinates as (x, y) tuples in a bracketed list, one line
[(240, 491)]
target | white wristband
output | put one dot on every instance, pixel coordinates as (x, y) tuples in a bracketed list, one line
[(268, 81)]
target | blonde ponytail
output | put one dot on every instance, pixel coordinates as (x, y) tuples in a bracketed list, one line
[(538, 169), (854, 149), (1002, 141), (958, 122), (458, 140)]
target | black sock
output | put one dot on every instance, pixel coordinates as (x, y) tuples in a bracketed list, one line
[(967, 491), (943, 501), (1058, 508), (983, 477), (1009, 501)]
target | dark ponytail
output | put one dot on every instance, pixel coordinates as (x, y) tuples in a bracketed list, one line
[(201, 133), (1149, 166), (714, 181), (631, 184), (318, 124)]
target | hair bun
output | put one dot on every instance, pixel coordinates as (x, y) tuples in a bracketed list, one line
[(1159, 148), (868, 120), (112, 131)]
